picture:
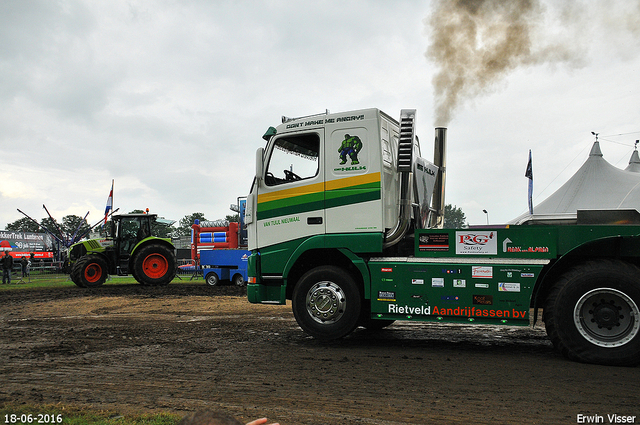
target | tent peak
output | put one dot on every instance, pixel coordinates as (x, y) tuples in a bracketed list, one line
[(595, 149)]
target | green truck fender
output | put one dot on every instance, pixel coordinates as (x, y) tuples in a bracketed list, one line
[(625, 247), (327, 250)]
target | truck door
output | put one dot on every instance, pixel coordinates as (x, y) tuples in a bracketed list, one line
[(290, 201), (353, 179)]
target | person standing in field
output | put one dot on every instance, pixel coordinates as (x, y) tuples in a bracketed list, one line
[(7, 265)]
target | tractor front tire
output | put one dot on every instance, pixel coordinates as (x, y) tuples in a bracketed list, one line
[(326, 303), (154, 264), (89, 271), (592, 313)]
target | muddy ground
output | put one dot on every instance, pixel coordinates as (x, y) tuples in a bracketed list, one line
[(186, 346)]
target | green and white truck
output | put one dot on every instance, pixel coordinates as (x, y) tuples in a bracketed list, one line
[(345, 219)]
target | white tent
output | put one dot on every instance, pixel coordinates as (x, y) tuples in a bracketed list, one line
[(597, 185), (634, 163)]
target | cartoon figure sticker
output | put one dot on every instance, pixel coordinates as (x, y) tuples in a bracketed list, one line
[(351, 146)]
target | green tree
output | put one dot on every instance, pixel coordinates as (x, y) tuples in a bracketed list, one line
[(233, 218), (454, 218), (50, 224), (72, 222), (184, 226), (23, 225)]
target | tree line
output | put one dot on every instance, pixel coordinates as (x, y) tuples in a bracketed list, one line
[(73, 224), (454, 218)]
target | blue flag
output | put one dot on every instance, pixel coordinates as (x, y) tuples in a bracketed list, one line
[(529, 174)]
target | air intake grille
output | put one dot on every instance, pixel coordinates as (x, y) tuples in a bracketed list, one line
[(405, 143)]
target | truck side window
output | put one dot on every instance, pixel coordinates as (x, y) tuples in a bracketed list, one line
[(293, 158)]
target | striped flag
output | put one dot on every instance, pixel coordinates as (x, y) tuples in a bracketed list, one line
[(109, 205), (529, 174)]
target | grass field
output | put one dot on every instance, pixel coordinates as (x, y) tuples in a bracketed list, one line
[(61, 280)]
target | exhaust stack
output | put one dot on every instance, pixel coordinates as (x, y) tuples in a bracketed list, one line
[(405, 168), (436, 217)]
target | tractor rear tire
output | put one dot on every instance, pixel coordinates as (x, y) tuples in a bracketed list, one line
[(154, 264), (592, 313), (89, 271)]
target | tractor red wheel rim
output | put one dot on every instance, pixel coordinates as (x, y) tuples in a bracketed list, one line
[(93, 272), (155, 266)]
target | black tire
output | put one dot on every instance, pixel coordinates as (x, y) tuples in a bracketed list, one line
[(154, 264), (89, 271), (326, 303), (212, 279), (592, 315), (135, 276), (238, 280)]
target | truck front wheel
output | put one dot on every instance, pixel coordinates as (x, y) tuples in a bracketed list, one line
[(326, 303), (154, 264), (592, 314), (212, 279)]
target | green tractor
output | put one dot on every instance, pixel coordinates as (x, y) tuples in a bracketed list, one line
[(128, 248)]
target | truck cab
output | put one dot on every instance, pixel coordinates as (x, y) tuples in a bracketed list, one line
[(327, 186)]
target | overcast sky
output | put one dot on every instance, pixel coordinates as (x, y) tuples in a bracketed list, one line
[(170, 98)]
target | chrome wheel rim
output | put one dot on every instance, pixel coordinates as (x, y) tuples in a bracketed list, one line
[(326, 302)]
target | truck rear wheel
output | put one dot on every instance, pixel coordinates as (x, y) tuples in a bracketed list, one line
[(238, 280), (326, 303), (154, 264), (592, 313), (89, 271)]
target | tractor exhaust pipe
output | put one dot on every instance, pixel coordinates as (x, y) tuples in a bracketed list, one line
[(436, 217)]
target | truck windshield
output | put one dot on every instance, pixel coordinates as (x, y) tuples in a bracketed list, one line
[(293, 158)]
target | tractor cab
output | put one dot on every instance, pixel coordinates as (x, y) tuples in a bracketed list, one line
[(128, 231)]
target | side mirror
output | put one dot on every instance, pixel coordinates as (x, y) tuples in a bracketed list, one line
[(259, 164)]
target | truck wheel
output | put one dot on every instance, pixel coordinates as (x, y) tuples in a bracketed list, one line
[(212, 279), (592, 314), (238, 280), (154, 264), (89, 271), (326, 303)]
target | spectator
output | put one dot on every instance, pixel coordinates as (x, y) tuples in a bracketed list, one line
[(7, 265), (208, 417), (23, 265)]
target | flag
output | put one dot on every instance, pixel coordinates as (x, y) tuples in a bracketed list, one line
[(529, 174), (109, 205)]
